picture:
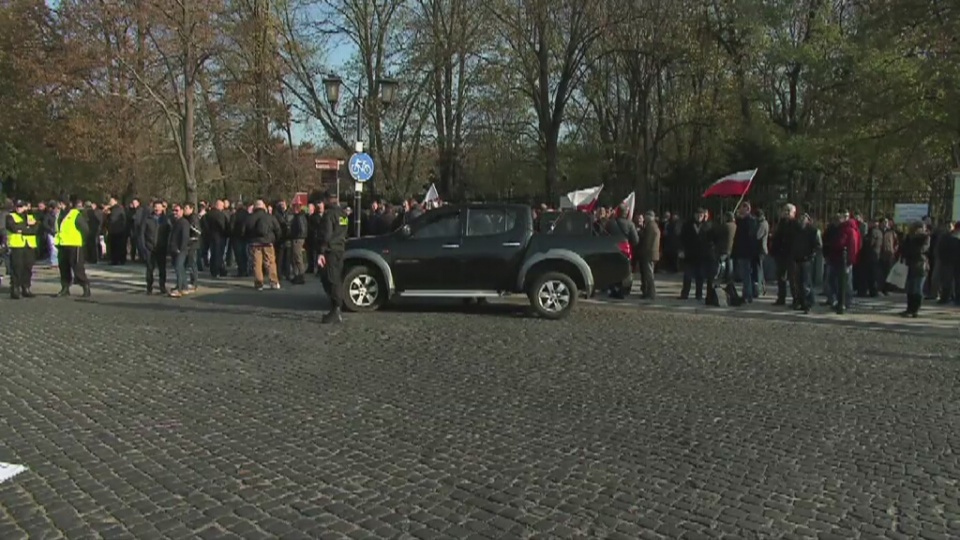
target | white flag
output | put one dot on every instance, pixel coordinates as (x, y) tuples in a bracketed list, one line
[(432, 194), (9, 470), (628, 205)]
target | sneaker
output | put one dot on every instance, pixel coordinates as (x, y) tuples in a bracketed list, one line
[(175, 294), (275, 286)]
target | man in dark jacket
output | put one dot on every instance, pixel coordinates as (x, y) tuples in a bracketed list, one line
[(116, 233), (193, 251), (746, 249), (313, 234), (238, 231), (331, 248), (282, 244), (153, 241), (261, 232), (805, 243), (178, 247), (218, 231), (94, 217), (782, 249), (692, 252), (298, 237)]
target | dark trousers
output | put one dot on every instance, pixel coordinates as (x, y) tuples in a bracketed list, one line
[(801, 283), (311, 256), (192, 265), (284, 259), (157, 260), (785, 279), (91, 247), (216, 257), (21, 268), (871, 275), (180, 269), (950, 283), (694, 272), (243, 260), (72, 267), (117, 245), (229, 256), (332, 277), (203, 256)]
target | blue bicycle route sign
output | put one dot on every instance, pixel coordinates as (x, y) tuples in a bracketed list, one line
[(361, 167)]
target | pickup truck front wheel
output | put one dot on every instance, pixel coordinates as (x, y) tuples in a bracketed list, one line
[(552, 295), (363, 289)]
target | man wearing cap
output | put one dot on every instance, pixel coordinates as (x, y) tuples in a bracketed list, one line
[(22, 241), (71, 232), (331, 245)]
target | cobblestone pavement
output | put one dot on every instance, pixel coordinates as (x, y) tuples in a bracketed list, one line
[(234, 414)]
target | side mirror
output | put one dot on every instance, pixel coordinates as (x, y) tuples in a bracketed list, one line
[(405, 231)]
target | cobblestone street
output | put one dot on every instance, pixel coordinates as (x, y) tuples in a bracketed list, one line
[(234, 414)]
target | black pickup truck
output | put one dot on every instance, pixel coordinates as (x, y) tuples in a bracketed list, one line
[(482, 251)]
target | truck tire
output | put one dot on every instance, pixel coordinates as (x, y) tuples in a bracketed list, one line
[(363, 290), (552, 295)]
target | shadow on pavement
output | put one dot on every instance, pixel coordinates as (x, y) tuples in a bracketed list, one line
[(496, 309), (910, 356)]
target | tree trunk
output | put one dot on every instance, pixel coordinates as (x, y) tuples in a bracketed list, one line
[(551, 156), (190, 69)]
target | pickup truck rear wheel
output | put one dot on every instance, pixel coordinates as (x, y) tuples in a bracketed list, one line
[(363, 289), (552, 295)]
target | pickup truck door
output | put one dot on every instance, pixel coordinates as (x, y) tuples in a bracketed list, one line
[(493, 246), (429, 259)]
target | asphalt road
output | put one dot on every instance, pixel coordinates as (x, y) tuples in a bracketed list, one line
[(234, 414)]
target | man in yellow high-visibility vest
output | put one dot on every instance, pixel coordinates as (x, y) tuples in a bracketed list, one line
[(22, 241), (69, 241)]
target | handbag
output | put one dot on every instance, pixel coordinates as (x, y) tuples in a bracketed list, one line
[(898, 275)]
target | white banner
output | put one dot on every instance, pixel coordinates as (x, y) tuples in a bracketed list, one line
[(9, 470)]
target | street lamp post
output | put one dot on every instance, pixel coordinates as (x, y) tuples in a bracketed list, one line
[(387, 91)]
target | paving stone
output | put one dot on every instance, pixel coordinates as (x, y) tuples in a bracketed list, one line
[(236, 415)]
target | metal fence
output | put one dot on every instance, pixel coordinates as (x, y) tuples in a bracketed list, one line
[(870, 203)]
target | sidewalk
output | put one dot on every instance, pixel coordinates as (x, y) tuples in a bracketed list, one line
[(880, 310)]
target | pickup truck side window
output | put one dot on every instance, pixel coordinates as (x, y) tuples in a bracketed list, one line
[(444, 226), (489, 221)]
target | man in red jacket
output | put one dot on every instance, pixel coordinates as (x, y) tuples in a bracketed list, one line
[(842, 255)]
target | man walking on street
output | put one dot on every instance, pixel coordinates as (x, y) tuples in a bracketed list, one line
[(331, 247)]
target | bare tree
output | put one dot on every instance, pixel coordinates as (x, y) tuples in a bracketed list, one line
[(449, 40), (547, 44)]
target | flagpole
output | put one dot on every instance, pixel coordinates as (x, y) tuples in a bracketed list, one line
[(744, 194)]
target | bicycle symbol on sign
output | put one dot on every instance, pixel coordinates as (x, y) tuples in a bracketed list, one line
[(361, 168)]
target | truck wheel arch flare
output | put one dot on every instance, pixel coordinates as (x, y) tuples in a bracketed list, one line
[(558, 255), (366, 256)]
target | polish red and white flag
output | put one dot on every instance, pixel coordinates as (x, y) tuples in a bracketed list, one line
[(732, 185), (627, 205), (585, 200)]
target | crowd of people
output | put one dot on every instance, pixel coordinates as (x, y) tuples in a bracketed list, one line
[(278, 242), (857, 255), (265, 242)]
